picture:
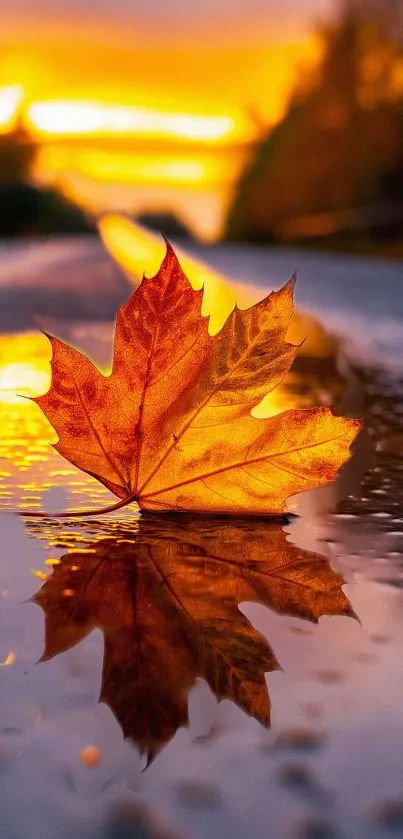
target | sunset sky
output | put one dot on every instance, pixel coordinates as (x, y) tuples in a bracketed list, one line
[(218, 54), (212, 72), (155, 21)]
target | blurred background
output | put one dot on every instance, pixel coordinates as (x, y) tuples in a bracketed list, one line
[(241, 120)]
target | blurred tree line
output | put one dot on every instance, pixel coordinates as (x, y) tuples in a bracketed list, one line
[(332, 170), (25, 208)]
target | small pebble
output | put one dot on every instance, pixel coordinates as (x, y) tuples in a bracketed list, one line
[(90, 756)]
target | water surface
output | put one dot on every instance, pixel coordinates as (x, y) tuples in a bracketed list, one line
[(198, 633)]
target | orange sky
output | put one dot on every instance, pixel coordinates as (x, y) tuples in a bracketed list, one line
[(221, 22), (231, 59), (199, 79), (217, 56)]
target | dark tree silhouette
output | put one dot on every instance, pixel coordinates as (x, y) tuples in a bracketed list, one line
[(17, 155), (339, 148), (25, 208)]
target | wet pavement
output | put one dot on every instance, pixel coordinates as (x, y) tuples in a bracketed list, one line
[(174, 623)]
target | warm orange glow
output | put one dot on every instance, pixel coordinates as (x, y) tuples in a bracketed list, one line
[(40, 575), (96, 119), (108, 167), (8, 661), (137, 251), (10, 100), (29, 465), (123, 124), (183, 438), (22, 378), (194, 184), (233, 81)]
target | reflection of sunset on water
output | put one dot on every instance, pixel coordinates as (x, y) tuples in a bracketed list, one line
[(30, 466), (24, 366)]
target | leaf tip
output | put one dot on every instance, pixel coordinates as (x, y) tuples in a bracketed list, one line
[(356, 426), (169, 250), (25, 396), (46, 334), (167, 242)]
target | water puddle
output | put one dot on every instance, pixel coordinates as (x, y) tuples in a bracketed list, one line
[(172, 677)]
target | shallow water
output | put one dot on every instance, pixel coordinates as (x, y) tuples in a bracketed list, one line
[(161, 619)]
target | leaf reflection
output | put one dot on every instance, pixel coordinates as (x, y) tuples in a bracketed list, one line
[(166, 599)]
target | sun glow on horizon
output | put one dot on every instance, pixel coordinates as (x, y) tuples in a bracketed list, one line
[(80, 118), (105, 166), (23, 378), (10, 101), (106, 156), (24, 367), (172, 135)]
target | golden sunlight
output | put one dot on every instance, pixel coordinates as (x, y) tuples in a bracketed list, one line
[(137, 251), (106, 167), (101, 120), (171, 129), (9, 660), (10, 100), (22, 379), (18, 376)]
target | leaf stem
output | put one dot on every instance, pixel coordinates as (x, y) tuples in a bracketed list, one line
[(75, 513)]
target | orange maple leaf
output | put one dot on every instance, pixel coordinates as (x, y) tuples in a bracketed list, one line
[(171, 426)]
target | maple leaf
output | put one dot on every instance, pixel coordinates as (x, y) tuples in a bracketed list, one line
[(171, 426), (166, 600)]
